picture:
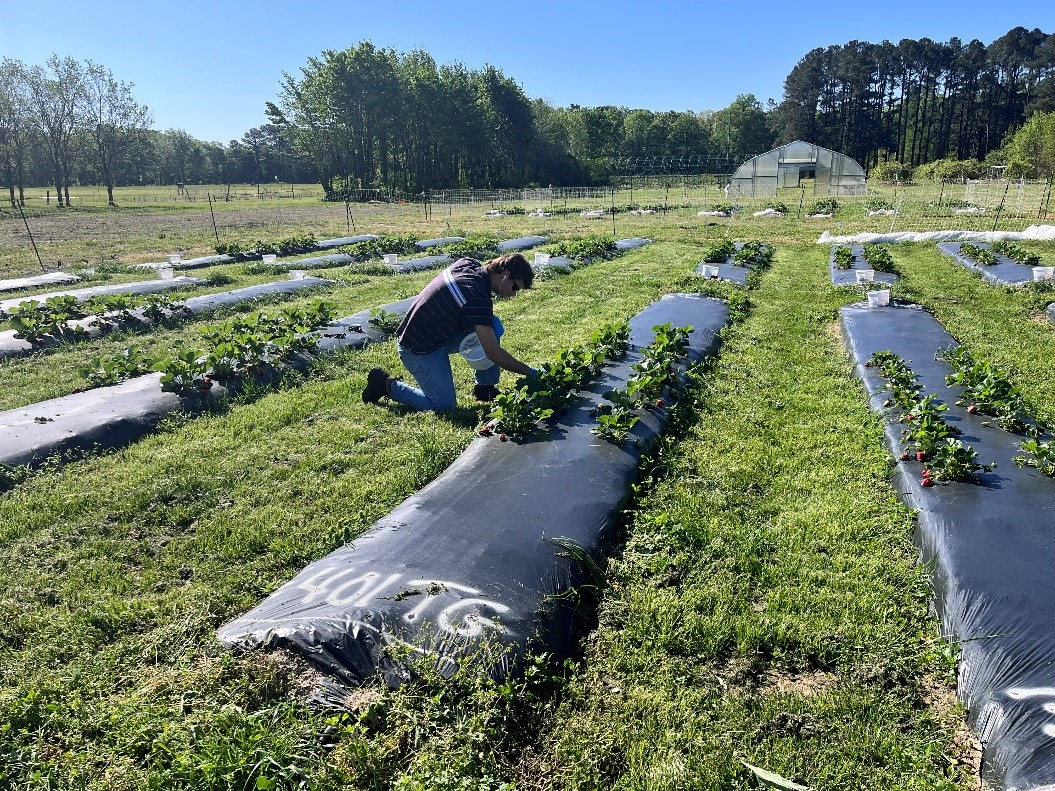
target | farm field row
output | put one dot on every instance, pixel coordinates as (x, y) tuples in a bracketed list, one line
[(765, 605)]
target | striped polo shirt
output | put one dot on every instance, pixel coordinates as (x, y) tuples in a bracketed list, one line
[(449, 307)]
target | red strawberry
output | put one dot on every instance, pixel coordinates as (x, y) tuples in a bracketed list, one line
[(484, 432), (972, 409), (503, 437), (928, 474), (904, 456), (928, 482), (920, 456), (660, 403)]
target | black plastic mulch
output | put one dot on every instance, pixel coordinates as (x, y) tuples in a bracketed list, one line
[(469, 561), (992, 546)]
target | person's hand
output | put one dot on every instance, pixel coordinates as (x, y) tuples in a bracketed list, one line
[(533, 379)]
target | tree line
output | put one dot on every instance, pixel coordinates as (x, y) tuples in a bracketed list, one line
[(368, 117), (915, 102)]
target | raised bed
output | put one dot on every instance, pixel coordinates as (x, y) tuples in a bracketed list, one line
[(189, 263), (632, 243), (727, 270), (111, 417), (82, 294), (991, 548), (10, 346), (448, 571), (523, 243), (1004, 272), (848, 277), (425, 244), (50, 278), (328, 243)]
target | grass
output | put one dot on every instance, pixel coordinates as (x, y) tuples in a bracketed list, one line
[(763, 605)]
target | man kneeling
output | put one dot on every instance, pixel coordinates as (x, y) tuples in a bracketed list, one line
[(455, 304)]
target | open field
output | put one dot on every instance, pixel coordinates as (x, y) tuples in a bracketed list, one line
[(762, 601)]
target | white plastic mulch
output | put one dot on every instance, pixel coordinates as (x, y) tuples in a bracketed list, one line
[(768, 213), (882, 213), (712, 214), (594, 214), (1034, 233)]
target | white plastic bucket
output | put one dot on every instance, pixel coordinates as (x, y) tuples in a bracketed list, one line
[(710, 270), (541, 259), (174, 258), (391, 258), (268, 258), (1043, 272), (297, 274), (879, 299), (866, 275), (473, 352), (166, 273)]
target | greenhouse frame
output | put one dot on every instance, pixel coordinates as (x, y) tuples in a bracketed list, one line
[(790, 164)]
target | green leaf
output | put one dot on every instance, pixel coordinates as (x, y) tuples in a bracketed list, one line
[(773, 780)]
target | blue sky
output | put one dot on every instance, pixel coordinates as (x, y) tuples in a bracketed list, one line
[(209, 67)]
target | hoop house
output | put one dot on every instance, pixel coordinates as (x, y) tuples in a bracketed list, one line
[(832, 173)]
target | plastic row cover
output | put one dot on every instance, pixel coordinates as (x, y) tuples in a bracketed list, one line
[(470, 559), (11, 346), (15, 284), (992, 547), (112, 417), (848, 277), (1004, 272), (1034, 233), (82, 294)]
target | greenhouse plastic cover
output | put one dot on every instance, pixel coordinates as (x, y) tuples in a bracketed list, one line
[(1004, 272), (991, 547), (37, 280), (848, 277), (1034, 233), (82, 294), (111, 417), (11, 346), (470, 561)]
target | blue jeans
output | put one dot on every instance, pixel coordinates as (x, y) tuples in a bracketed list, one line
[(432, 371)]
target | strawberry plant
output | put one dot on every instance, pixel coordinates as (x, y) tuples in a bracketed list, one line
[(826, 206), (724, 208), (777, 206), (719, 252), (110, 370), (1041, 456), (1015, 253), (384, 321), (184, 373), (952, 460), (754, 253), (878, 204), (987, 389), (878, 257), (844, 258), (516, 413), (587, 249), (980, 255), (37, 322)]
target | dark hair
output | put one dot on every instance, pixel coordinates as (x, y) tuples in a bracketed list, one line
[(515, 264)]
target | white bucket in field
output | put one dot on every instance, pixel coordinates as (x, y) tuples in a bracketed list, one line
[(166, 273), (298, 274), (391, 258), (269, 258), (541, 259), (710, 270), (1043, 272), (175, 258), (879, 299), (866, 275)]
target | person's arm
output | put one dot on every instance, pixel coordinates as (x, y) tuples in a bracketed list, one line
[(496, 354)]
